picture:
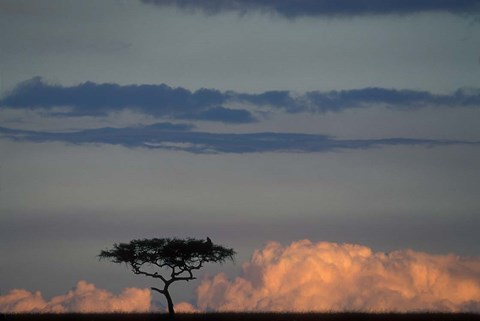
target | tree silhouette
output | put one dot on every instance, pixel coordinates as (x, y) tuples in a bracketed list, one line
[(180, 257)]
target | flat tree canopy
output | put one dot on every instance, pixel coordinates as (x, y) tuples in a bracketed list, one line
[(180, 257)]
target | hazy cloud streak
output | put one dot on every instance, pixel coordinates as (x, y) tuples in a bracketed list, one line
[(295, 8), (306, 276), (179, 137)]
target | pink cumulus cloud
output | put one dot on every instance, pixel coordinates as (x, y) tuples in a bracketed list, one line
[(186, 307), (85, 297), (306, 276)]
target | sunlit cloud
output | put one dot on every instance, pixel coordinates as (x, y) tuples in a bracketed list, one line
[(186, 307), (303, 276), (306, 276), (85, 297)]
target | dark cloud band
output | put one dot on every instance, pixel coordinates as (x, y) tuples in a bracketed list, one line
[(295, 8), (180, 137), (91, 99)]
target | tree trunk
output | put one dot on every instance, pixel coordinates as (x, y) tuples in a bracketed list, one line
[(171, 310)]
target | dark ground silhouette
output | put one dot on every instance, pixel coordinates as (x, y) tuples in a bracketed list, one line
[(348, 316)]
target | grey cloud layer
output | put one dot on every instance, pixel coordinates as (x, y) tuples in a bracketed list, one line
[(179, 137), (99, 99), (294, 8), (209, 104), (317, 101)]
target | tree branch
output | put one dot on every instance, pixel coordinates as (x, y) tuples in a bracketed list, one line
[(186, 278), (136, 269), (158, 290), (160, 265)]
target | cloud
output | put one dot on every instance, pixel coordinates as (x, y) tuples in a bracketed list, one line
[(296, 8), (185, 307), (180, 137), (18, 300), (85, 297), (336, 101), (306, 276), (302, 276), (91, 99)]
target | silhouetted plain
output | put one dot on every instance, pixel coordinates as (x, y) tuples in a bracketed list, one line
[(347, 316)]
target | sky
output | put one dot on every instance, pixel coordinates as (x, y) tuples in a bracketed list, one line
[(332, 144)]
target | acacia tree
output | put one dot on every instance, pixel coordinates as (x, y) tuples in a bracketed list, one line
[(179, 257)]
